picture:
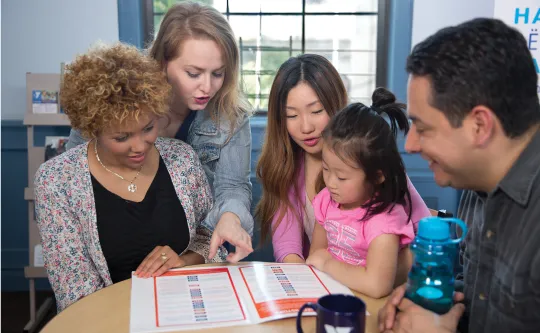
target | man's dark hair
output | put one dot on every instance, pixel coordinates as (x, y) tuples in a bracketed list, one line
[(480, 62)]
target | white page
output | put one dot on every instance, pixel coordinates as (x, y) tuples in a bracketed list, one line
[(279, 290), (274, 282), (190, 299), (186, 299)]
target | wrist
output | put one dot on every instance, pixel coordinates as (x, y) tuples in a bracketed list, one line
[(232, 216), (181, 261), (326, 262), (190, 258), (293, 258)]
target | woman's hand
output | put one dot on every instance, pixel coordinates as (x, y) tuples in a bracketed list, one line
[(319, 258), (160, 260), (230, 229)]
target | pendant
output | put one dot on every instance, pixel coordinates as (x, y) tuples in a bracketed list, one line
[(132, 188)]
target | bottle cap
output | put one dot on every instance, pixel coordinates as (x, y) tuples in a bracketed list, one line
[(434, 228)]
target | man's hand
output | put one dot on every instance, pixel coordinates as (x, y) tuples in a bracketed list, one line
[(413, 318), (387, 314)]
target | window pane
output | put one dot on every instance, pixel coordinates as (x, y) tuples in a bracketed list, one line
[(257, 98), (355, 62), (352, 63), (157, 23), (359, 87), (266, 43), (272, 6), (250, 83), (341, 32), (275, 31), (258, 72), (337, 6), (161, 6), (265, 61)]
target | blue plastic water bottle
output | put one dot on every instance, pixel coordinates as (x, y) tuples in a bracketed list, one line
[(431, 279)]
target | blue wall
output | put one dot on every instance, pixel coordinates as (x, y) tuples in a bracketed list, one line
[(14, 151), (14, 207)]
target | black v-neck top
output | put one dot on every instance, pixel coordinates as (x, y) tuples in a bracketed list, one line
[(129, 231)]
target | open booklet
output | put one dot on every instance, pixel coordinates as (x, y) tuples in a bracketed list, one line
[(251, 293)]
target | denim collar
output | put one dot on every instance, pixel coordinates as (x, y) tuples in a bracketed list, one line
[(203, 124)]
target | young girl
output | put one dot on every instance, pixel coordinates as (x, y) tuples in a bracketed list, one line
[(306, 92), (196, 48), (363, 219)]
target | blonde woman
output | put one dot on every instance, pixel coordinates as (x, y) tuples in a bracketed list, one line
[(197, 50), (126, 200)]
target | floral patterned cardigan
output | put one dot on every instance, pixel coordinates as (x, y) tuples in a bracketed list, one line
[(66, 217)]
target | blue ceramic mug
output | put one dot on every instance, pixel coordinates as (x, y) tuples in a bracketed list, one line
[(337, 313)]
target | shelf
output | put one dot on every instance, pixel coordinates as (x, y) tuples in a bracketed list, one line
[(52, 119), (29, 193), (32, 272)]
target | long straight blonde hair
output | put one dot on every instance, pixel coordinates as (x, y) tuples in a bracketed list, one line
[(277, 168), (190, 20)]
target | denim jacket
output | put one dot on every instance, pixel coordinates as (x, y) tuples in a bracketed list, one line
[(227, 165)]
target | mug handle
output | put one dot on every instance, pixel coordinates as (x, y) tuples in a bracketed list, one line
[(299, 316)]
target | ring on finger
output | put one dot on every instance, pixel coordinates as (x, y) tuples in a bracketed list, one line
[(164, 256)]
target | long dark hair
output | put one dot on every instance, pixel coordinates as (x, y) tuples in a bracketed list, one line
[(277, 168), (367, 136)]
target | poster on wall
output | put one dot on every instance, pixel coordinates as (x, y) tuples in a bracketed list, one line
[(524, 15)]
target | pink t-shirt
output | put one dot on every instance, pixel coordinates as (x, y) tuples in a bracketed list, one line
[(348, 237)]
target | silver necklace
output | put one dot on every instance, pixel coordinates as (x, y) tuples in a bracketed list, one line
[(131, 187)]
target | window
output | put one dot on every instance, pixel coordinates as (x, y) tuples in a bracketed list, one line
[(351, 34)]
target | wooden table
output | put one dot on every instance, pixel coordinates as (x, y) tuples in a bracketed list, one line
[(108, 311)]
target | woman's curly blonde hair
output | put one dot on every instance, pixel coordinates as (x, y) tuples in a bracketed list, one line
[(110, 85)]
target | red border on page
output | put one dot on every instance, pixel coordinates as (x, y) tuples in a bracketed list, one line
[(198, 272), (297, 302)]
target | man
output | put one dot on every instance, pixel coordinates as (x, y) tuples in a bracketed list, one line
[(472, 98)]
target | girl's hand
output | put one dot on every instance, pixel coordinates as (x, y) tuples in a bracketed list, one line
[(160, 260), (319, 258)]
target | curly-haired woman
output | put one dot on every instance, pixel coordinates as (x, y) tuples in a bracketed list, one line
[(126, 200), (196, 48)]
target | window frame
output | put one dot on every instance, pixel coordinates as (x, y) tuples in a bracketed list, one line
[(383, 30)]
